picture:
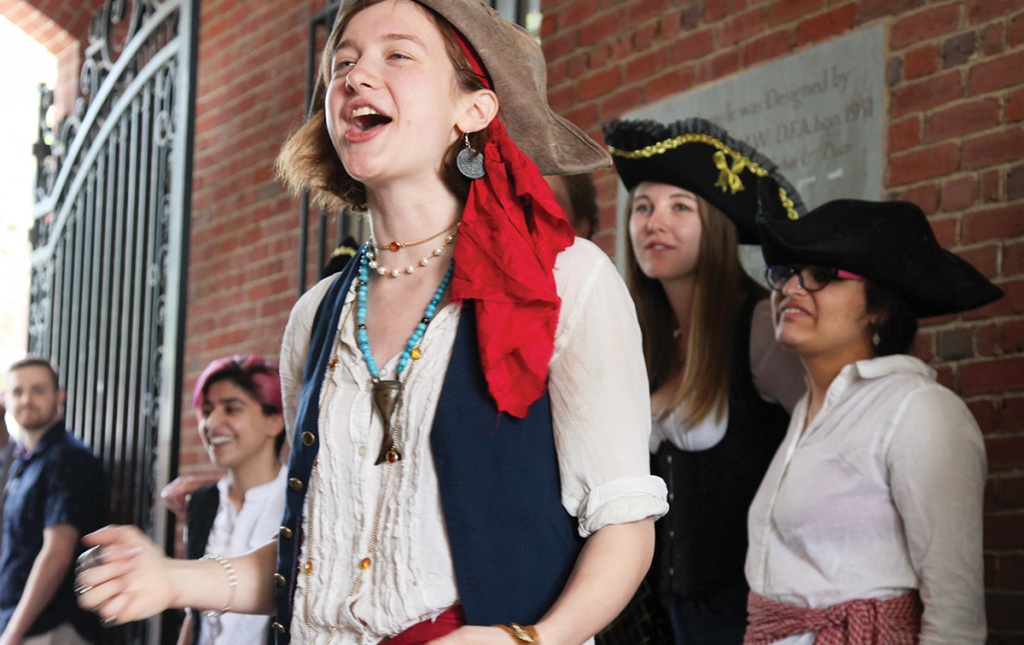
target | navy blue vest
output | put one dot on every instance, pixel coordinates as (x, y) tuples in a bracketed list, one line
[(513, 544), (200, 514)]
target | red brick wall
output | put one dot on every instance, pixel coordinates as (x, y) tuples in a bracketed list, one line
[(955, 72), (243, 269), (60, 27)]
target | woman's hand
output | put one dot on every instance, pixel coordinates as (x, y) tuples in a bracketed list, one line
[(132, 580), (175, 494)]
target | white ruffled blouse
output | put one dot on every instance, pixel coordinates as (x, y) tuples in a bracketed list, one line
[(600, 409)]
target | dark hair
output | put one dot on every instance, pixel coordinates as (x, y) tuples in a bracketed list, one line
[(583, 197), (34, 360), (897, 325), (258, 378), (308, 160)]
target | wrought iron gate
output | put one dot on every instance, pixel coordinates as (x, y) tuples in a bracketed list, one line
[(109, 255)]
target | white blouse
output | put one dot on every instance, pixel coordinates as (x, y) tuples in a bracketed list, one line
[(880, 495), (600, 410), (236, 532), (778, 377)]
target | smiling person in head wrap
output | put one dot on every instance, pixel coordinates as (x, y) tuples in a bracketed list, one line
[(721, 388), (237, 401), (466, 401), (872, 508)]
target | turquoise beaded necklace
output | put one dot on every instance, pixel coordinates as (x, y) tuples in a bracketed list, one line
[(417, 335), (388, 393)]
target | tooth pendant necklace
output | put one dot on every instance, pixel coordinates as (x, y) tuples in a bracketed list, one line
[(387, 399), (388, 393)]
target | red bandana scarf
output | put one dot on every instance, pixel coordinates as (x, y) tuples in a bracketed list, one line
[(512, 230)]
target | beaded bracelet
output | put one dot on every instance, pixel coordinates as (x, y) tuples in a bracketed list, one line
[(522, 633), (232, 584)]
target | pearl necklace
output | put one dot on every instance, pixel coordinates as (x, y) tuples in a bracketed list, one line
[(371, 256)]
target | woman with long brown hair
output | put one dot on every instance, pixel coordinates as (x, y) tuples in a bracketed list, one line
[(721, 387)]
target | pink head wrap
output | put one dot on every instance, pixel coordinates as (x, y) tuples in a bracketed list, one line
[(259, 378)]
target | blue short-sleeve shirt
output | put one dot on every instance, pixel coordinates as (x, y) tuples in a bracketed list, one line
[(59, 482)]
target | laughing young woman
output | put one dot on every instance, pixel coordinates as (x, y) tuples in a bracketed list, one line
[(469, 444), (867, 526)]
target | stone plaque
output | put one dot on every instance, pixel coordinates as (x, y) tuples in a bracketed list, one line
[(818, 114)]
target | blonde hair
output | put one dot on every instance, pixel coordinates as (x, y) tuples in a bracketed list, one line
[(709, 346), (308, 160)]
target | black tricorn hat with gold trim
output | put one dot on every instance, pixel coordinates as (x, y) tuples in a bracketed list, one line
[(890, 243), (701, 157)]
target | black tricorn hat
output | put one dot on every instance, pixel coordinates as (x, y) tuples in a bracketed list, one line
[(890, 243), (701, 157)]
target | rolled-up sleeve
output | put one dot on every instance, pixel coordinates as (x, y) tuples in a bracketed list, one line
[(600, 401)]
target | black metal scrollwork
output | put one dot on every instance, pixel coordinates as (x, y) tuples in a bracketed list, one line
[(111, 199)]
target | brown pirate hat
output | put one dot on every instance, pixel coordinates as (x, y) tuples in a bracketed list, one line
[(515, 64)]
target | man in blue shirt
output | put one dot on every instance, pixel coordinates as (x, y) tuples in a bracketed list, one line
[(55, 494), (7, 445)]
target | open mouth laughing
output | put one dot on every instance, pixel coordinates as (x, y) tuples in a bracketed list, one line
[(367, 118)]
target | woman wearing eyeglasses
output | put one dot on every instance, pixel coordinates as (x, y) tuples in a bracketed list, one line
[(867, 527), (721, 387)]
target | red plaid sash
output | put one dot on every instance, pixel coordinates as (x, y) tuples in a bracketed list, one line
[(895, 621)]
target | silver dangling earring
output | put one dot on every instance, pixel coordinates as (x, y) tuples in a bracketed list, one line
[(876, 339), (469, 161)]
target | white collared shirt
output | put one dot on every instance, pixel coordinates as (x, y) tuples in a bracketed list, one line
[(236, 532), (601, 415), (880, 495)]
